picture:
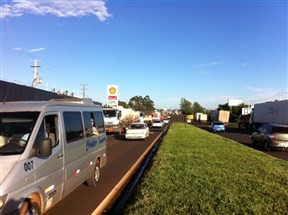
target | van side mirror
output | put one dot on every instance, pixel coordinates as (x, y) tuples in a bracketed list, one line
[(45, 148)]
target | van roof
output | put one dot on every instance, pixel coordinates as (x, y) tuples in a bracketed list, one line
[(38, 105)]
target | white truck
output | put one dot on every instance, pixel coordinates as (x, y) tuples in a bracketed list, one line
[(220, 115), (269, 112), (200, 117), (117, 119), (47, 150)]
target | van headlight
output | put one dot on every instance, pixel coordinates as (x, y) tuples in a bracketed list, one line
[(2, 200)]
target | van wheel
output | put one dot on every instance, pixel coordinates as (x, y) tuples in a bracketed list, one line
[(95, 177), (30, 207)]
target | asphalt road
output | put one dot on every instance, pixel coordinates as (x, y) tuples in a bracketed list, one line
[(243, 137), (122, 154)]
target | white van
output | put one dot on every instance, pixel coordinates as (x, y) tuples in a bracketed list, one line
[(47, 149)]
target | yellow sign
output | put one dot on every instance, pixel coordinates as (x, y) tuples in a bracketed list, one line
[(112, 90)]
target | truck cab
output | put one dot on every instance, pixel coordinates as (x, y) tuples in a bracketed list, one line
[(111, 119)]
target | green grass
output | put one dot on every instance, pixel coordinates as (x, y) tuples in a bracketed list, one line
[(232, 125), (197, 172)]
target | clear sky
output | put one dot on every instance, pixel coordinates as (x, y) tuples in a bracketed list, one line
[(203, 51)]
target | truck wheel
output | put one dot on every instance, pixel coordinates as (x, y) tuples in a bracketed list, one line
[(30, 207), (120, 130), (95, 177)]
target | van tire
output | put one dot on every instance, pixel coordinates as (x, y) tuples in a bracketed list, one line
[(30, 206), (95, 177)]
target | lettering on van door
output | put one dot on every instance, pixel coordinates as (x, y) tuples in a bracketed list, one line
[(28, 166), (91, 144)]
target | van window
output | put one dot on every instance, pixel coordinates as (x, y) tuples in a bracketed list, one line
[(73, 126), (49, 129), (89, 122), (99, 121)]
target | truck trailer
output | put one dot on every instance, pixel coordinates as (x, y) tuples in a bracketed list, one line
[(221, 115), (200, 117), (269, 112)]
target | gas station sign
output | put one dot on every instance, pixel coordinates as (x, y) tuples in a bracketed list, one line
[(112, 95)]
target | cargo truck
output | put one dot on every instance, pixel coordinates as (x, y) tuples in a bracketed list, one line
[(269, 112), (117, 119), (220, 115), (244, 121), (200, 117)]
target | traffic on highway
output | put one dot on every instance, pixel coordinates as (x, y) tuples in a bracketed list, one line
[(244, 137), (87, 146), (122, 154)]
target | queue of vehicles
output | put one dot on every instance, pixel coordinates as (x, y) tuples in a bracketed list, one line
[(49, 148), (133, 124), (141, 130), (118, 118), (269, 123)]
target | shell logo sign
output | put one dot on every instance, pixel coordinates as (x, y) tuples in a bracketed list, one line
[(112, 95)]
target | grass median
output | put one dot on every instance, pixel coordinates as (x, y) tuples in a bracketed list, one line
[(197, 172)]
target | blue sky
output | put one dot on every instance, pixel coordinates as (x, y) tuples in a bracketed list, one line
[(203, 51)]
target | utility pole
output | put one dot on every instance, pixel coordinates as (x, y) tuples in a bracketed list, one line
[(84, 89), (36, 80)]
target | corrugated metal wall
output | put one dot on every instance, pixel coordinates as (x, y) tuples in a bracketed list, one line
[(14, 92)]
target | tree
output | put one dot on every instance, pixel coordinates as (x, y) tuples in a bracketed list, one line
[(148, 104), (139, 103), (123, 104), (135, 102), (235, 111), (186, 107), (223, 107), (197, 108)]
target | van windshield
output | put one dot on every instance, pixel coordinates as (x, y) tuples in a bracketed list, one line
[(15, 130)]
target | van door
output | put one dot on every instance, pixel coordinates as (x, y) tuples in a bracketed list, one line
[(75, 151), (49, 172)]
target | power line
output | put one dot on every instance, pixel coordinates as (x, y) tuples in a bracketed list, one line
[(278, 96)]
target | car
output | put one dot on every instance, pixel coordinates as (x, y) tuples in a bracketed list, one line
[(166, 121), (271, 136), (137, 131), (217, 126), (157, 123)]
